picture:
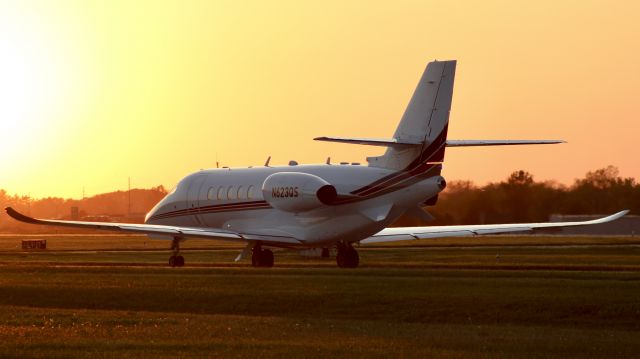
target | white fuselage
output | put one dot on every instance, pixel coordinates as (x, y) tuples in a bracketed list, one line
[(232, 199)]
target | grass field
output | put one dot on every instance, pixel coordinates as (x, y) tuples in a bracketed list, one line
[(453, 300)]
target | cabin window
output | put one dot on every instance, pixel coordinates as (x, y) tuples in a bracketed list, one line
[(250, 192), (211, 194), (241, 193), (220, 192), (231, 193)]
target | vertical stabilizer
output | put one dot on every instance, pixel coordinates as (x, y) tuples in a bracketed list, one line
[(425, 120)]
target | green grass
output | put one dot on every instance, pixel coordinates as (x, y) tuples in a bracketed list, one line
[(455, 302), (592, 257)]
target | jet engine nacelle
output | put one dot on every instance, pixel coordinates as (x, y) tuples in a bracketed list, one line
[(297, 192)]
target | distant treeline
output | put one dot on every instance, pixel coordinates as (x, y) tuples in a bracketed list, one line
[(112, 206), (519, 198)]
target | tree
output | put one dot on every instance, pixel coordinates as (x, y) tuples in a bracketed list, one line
[(520, 179), (603, 191)]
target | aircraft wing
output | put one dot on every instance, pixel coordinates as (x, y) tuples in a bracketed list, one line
[(158, 231), (409, 233)]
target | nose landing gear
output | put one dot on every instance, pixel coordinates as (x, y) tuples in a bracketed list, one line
[(176, 260), (347, 256)]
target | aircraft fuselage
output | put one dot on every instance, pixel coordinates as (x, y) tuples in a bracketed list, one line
[(232, 199)]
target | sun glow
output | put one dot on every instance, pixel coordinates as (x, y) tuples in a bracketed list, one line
[(33, 83), (96, 92)]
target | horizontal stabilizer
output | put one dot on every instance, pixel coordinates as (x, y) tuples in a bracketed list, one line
[(390, 142), (470, 143), (393, 142)]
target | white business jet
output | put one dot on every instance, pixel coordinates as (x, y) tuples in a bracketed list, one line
[(327, 205)]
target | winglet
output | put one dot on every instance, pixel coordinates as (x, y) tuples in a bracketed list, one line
[(610, 218), (20, 217)]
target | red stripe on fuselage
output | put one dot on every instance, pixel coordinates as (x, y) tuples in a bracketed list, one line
[(213, 209)]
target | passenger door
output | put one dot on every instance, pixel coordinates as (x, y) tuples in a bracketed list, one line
[(193, 200)]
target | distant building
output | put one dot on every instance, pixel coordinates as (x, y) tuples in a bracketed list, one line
[(625, 226), (75, 213)]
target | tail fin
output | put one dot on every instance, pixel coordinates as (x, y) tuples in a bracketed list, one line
[(425, 121)]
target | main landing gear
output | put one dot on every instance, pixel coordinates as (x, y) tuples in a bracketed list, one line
[(261, 257), (347, 256), (176, 260)]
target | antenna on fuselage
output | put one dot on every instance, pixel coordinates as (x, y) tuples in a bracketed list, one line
[(328, 160), (266, 164)]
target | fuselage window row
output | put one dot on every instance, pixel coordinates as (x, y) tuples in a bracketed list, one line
[(227, 193)]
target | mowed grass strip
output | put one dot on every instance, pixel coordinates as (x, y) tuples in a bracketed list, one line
[(105, 241), (115, 241), (599, 257), (316, 312), (413, 295)]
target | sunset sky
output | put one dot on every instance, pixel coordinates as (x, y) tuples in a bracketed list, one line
[(93, 92)]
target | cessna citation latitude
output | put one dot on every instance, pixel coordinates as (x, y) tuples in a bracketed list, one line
[(327, 205)]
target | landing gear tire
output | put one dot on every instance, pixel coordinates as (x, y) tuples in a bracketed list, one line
[(262, 258), (341, 259), (267, 258), (176, 261), (347, 257)]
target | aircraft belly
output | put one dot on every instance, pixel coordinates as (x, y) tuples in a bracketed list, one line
[(312, 228)]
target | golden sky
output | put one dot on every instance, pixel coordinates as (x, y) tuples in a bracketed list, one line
[(92, 92)]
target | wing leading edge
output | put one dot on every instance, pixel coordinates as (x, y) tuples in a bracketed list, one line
[(410, 233), (157, 231), (386, 235)]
